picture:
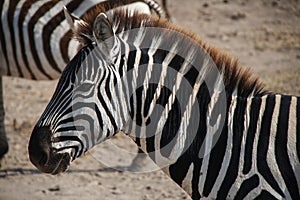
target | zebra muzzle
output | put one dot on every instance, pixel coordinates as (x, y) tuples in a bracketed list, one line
[(45, 158)]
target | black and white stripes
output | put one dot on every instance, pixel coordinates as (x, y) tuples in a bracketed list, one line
[(36, 40), (203, 119)]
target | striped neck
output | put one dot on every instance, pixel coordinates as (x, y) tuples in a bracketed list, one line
[(257, 131)]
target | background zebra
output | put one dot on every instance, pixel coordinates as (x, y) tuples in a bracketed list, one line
[(35, 39), (256, 158)]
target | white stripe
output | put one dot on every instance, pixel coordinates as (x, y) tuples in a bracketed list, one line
[(228, 152), (38, 32), (291, 140), (12, 64), (33, 9), (17, 39), (62, 29), (187, 181), (271, 159), (262, 182), (242, 177)]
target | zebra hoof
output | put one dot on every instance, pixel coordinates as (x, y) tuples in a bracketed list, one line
[(3, 149)]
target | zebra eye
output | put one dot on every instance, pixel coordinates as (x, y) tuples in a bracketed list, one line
[(85, 87)]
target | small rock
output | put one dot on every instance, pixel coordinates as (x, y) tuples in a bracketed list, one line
[(225, 1), (298, 56), (274, 3), (54, 189), (238, 16), (148, 187), (205, 5)]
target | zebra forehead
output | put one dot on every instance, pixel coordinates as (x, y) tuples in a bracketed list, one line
[(235, 77)]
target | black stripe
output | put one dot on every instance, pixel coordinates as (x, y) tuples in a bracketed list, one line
[(107, 111), (217, 154), (2, 40), (177, 62), (265, 195), (191, 75), (11, 12), (50, 27), (194, 149), (263, 143), (254, 115), (172, 124), (70, 138), (107, 83), (24, 11), (203, 99), (149, 98), (65, 106), (70, 128), (99, 118), (178, 170), (34, 19), (196, 176), (281, 151), (122, 59), (88, 118), (246, 187), (66, 120), (131, 59), (144, 60), (150, 146), (138, 108), (298, 128), (159, 56), (237, 136)]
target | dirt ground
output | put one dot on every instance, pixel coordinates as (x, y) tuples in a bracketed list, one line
[(264, 35)]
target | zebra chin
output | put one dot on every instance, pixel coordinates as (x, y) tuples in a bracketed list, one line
[(43, 156)]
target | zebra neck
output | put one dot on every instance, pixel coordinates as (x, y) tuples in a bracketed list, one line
[(256, 130), (265, 123), (268, 115)]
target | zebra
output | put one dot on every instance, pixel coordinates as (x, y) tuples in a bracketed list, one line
[(35, 38), (214, 130)]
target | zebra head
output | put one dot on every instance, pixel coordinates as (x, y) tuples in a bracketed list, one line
[(82, 111), (133, 73)]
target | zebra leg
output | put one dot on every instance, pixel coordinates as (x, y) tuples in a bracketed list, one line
[(3, 139)]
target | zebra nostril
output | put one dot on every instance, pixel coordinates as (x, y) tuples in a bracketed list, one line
[(39, 146), (43, 159)]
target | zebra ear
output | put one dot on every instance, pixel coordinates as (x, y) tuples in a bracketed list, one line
[(72, 20), (103, 32), (79, 28)]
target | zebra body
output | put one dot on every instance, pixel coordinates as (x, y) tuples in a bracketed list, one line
[(36, 40), (204, 120)]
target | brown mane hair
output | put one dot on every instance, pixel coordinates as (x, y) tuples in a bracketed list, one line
[(233, 74)]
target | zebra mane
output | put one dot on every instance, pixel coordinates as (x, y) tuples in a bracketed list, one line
[(235, 77)]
